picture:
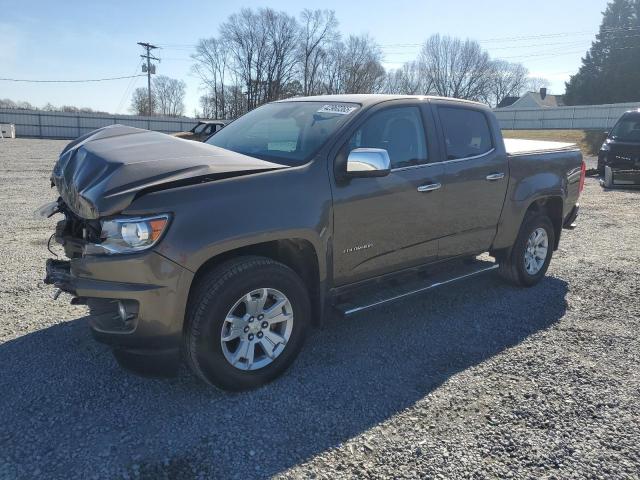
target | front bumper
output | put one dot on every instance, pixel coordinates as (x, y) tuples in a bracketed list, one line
[(625, 168), (625, 177), (152, 288)]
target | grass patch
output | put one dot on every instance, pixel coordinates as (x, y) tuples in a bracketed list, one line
[(589, 141)]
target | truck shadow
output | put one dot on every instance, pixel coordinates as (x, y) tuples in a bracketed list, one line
[(69, 407)]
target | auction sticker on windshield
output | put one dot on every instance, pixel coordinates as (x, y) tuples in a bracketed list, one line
[(338, 109)]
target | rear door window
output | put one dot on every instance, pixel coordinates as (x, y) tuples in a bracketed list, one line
[(466, 132)]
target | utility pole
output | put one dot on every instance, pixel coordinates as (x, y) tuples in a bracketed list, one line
[(148, 47)]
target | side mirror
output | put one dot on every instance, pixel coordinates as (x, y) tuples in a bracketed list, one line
[(368, 162)]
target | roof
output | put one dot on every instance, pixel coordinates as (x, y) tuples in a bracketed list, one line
[(506, 101), (548, 100), (535, 100), (216, 122), (366, 99)]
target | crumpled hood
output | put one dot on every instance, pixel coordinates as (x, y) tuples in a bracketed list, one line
[(101, 173)]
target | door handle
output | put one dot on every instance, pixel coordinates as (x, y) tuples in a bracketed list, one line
[(429, 188), (495, 176)]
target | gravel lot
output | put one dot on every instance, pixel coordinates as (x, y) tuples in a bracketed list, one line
[(477, 380)]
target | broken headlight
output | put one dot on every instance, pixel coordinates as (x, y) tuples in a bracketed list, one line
[(129, 235)]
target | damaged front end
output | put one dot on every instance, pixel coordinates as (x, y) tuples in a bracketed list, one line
[(72, 233), (136, 297), (137, 294), (75, 235)]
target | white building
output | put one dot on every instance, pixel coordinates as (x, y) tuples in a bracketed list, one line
[(533, 100)]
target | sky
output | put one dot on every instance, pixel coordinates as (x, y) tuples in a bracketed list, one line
[(70, 40)]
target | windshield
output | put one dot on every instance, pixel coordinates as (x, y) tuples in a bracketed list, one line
[(287, 132), (627, 129)]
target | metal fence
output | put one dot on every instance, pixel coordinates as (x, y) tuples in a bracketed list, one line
[(585, 117), (35, 123)]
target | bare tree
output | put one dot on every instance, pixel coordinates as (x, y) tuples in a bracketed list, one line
[(244, 35), (211, 66), (354, 67), (282, 35), (407, 80), (456, 68), (319, 32), (236, 101), (48, 107), (168, 94), (20, 105), (507, 80), (331, 75), (263, 48), (140, 102), (7, 103), (534, 84), (264, 55)]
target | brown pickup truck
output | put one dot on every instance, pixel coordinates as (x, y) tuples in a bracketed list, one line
[(225, 253)]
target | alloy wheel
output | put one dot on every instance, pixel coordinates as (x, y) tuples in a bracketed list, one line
[(256, 329), (536, 251)]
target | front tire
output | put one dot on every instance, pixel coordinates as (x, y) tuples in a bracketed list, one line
[(246, 322), (528, 260), (607, 181)]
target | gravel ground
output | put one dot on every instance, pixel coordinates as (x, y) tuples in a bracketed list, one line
[(477, 380)]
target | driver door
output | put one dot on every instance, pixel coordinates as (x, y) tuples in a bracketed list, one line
[(382, 224)]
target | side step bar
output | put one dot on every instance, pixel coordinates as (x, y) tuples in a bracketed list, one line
[(414, 288)]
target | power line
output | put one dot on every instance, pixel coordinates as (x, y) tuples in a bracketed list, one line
[(613, 30), (569, 43), (395, 49), (129, 88), (68, 81), (512, 47)]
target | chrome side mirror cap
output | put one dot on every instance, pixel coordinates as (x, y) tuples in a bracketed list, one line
[(368, 162)]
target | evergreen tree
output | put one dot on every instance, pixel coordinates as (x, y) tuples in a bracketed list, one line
[(610, 71)]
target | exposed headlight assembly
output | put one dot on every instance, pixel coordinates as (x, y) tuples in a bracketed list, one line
[(129, 234), (605, 147)]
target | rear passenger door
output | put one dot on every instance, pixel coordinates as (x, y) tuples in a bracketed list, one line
[(475, 179)]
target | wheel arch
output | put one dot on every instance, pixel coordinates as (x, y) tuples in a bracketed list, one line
[(297, 253), (552, 206)]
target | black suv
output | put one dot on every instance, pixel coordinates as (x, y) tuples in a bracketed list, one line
[(619, 156)]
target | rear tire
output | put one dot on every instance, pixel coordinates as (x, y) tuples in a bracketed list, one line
[(520, 265), (227, 341)]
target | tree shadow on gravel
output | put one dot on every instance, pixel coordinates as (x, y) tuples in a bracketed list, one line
[(69, 410)]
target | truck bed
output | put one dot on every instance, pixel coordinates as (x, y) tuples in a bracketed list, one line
[(516, 146)]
